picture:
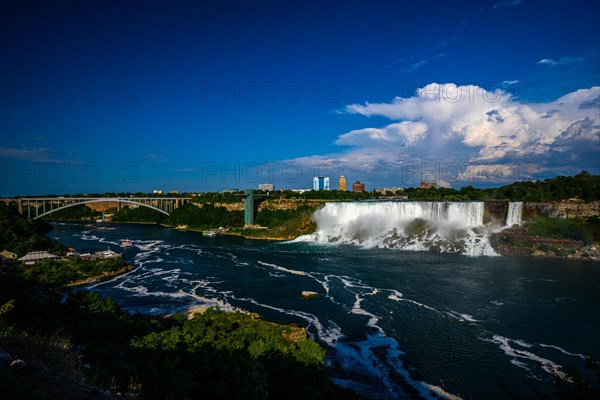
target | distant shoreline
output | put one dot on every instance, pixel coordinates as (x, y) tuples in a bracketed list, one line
[(100, 278)]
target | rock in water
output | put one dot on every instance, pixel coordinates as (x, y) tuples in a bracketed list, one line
[(309, 295)]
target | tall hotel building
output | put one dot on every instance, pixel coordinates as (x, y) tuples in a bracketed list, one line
[(342, 182), (321, 183)]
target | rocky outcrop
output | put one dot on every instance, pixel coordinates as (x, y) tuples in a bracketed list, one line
[(272, 204), (306, 294), (106, 205), (494, 212), (561, 209), (290, 204)]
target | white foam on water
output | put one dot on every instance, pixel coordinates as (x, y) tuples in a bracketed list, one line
[(563, 350), (462, 317), (203, 301), (85, 236), (497, 303), (442, 393), (396, 298), (360, 356), (329, 335), (283, 269), (373, 319), (522, 343), (520, 357), (395, 295)]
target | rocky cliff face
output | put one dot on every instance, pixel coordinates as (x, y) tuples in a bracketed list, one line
[(105, 205), (286, 204), (272, 204), (494, 212), (561, 209)]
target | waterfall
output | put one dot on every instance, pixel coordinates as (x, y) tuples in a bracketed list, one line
[(515, 213), (455, 227), (471, 214)]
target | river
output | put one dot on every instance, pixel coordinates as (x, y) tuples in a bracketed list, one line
[(396, 324)]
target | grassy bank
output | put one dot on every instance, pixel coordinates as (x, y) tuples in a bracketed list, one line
[(575, 238)]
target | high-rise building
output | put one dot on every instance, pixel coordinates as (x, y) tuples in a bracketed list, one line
[(342, 182), (321, 183), (358, 187)]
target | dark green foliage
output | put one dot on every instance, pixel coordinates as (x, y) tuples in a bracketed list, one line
[(60, 272), (557, 228), (138, 214), (592, 226), (234, 356), (79, 212), (581, 186), (21, 235), (219, 197), (207, 216), (272, 218)]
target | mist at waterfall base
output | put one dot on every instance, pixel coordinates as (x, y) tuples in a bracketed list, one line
[(395, 323)]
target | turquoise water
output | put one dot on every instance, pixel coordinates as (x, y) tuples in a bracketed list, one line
[(396, 324)]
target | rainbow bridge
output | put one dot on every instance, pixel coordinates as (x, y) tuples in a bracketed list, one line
[(38, 207)]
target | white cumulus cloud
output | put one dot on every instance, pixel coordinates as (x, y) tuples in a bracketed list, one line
[(448, 124)]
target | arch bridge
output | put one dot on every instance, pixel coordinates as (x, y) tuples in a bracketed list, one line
[(38, 207)]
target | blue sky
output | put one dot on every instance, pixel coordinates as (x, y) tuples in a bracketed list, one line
[(100, 96)]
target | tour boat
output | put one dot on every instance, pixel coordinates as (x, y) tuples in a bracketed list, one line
[(108, 253), (126, 243)]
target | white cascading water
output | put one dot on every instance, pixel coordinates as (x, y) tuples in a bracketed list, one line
[(453, 227), (514, 215)]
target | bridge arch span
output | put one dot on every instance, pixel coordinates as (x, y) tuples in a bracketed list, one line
[(101, 200)]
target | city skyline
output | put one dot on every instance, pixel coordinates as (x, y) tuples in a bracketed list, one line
[(101, 97)]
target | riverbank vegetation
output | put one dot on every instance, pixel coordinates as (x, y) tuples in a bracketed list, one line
[(139, 214), (281, 224), (71, 270), (79, 212), (556, 237), (21, 235), (581, 186), (207, 216)]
